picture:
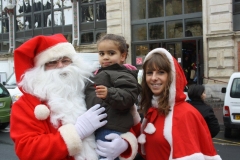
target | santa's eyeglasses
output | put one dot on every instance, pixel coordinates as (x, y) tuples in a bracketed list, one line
[(53, 64)]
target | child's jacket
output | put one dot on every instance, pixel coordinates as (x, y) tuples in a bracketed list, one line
[(123, 91)]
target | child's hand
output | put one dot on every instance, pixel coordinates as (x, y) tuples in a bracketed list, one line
[(101, 91)]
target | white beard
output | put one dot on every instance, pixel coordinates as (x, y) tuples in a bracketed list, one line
[(63, 90)]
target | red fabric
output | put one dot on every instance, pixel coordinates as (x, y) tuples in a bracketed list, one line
[(196, 138), (34, 135), (127, 153), (185, 142), (136, 131), (183, 133), (156, 143)]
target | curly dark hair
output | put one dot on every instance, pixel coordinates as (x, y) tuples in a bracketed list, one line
[(118, 40)]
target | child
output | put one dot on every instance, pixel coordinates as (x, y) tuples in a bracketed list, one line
[(116, 87), (171, 128)]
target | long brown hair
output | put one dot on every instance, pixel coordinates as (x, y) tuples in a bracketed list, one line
[(157, 61)]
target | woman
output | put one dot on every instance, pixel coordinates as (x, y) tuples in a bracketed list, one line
[(171, 129), (197, 94)]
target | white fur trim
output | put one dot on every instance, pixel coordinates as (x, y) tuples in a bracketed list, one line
[(54, 52), (41, 112), (142, 138), (199, 156), (155, 101), (71, 138), (131, 139), (150, 129)]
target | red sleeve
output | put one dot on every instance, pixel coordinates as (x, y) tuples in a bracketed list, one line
[(130, 137), (136, 130), (34, 139)]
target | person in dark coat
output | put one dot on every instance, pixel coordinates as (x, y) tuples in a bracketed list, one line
[(196, 94)]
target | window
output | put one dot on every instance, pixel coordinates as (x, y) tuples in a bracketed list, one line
[(156, 8), (236, 15), (165, 19), (4, 22), (193, 27), (236, 6), (174, 29), (139, 32), (41, 14), (138, 9), (163, 23), (156, 31), (235, 89), (192, 6), (4, 26), (173, 7), (93, 20)]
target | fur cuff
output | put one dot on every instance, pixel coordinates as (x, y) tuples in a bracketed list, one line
[(131, 139), (71, 138)]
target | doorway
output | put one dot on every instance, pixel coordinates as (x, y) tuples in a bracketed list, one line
[(188, 53), (185, 53), (189, 56)]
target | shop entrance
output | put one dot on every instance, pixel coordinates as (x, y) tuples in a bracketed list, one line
[(189, 55)]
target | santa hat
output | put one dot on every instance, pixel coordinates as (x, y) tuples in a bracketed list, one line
[(39, 50)]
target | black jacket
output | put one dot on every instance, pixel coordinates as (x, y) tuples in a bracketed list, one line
[(123, 91), (208, 114)]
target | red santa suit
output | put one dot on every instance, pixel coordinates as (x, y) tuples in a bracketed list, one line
[(181, 135), (31, 128)]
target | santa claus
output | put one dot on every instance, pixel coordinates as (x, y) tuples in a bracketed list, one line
[(50, 120)]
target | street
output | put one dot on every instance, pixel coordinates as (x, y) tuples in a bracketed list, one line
[(227, 148), (6, 146)]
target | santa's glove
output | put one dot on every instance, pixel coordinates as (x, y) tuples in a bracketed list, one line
[(135, 114), (113, 149), (88, 122)]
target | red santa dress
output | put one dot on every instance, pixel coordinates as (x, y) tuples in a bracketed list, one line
[(182, 134)]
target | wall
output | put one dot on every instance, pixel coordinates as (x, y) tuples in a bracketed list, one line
[(118, 20), (219, 45)]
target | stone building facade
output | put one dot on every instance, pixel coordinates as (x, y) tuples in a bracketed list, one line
[(220, 42), (221, 45)]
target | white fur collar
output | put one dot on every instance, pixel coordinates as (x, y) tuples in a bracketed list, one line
[(155, 101)]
